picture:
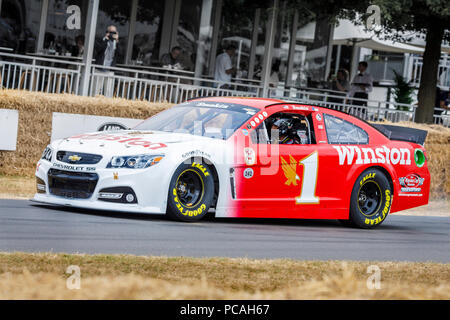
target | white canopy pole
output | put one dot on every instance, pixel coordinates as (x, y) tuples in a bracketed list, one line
[(89, 46), (270, 38)]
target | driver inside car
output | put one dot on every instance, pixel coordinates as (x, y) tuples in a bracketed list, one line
[(285, 135)]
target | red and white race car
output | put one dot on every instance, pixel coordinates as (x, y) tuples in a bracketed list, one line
[(242, 157)]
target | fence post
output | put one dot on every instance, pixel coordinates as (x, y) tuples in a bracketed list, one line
[(33, 64), (379, 111)]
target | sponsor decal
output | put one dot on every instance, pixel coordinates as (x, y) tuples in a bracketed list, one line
[(249, 156), (201, 168), (369, 176), (74, 158), (357, 155), (116, 175), (303, 108), (183, 210), (37, 167), (256, 120), (111, 126), (290, 171), (320, 126), (121, 139), (72, 168), (245, 132), (307, 182), (318, 117), (250, 111), (195, 153), (212, 105), (248, 173), (411, 183)]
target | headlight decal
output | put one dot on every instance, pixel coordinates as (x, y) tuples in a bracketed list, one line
[(134, 162), (47, 154)]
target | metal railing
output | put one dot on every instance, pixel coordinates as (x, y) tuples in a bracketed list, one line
[(160, 87), (443, 71), (62, 76), (373, 110), (39, 74)]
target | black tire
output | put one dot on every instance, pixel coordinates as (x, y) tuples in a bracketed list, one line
[(191, 192), (371, 200)]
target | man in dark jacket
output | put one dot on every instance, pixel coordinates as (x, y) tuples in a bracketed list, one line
[(107, 48)]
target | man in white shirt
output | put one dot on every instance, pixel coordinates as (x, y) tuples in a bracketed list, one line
[(224, 69), (361, 85)]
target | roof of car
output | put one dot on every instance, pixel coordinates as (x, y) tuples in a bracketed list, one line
[(259, 103)]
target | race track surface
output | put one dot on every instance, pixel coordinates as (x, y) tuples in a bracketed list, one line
[(28, 227)]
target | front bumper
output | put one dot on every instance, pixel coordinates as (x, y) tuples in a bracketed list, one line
[(149, 185)]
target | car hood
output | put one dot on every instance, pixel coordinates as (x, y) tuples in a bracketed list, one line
[(130, 142)]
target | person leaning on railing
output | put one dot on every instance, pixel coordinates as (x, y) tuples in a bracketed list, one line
[(224, 68), (442, 102), (360, 87), (339, 83)]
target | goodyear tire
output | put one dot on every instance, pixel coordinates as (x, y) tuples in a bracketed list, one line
[(191, 192), (371, 200)]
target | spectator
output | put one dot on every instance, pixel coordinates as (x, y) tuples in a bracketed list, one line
[(274, 78), (172, 59), (78, 49), (361, 85), (106, 56), (106, 53), (341, 84), (442, 102), (224, 69)]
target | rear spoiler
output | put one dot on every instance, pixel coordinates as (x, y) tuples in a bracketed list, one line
[(402, 133)]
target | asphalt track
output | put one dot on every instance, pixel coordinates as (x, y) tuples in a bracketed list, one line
[(25, 226)]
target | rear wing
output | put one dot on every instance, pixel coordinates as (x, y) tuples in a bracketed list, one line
[(402, 133)]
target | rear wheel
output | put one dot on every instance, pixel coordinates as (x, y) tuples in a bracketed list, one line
[(191, 192), (371, 200)]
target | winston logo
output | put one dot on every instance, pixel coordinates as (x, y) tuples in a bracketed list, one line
[(290, 170), (353, 154)]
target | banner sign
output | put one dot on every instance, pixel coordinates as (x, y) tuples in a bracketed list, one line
[(9, 125), (68, 124)]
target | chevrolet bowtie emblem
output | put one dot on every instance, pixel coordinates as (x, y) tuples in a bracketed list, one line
[(74, 158)]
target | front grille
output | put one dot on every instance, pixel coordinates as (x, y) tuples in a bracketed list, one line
[(73, 185), (84, 158)]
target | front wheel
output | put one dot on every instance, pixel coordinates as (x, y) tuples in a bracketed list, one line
[(191, 192), (371, 199)]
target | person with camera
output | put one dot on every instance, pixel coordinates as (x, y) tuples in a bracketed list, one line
[(106, 56), (107, 48)]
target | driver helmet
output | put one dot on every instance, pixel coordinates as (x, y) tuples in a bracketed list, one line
[(283, 126)]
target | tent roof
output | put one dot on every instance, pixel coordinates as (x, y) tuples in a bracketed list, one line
[(347, 33)]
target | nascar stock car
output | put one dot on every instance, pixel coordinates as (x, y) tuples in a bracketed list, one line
[(242, 157)]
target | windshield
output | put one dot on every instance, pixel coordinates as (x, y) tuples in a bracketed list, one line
[(203, 118)]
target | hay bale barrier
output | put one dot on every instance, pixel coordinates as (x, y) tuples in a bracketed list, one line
[(35, 121), (35, 125)]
